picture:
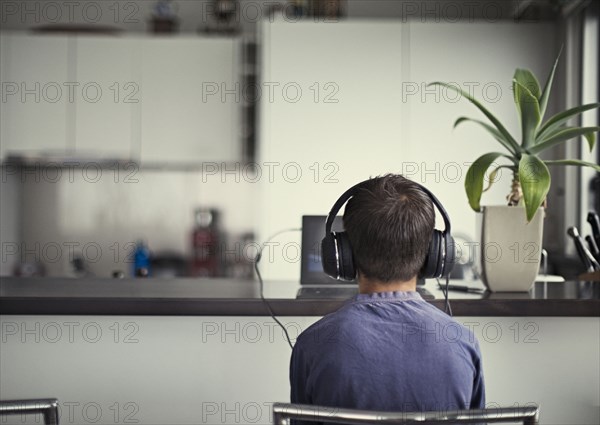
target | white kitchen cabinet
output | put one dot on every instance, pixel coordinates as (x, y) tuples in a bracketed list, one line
[(190, 100), (107, 119), (166, 100), (35, 104), (334, 117)]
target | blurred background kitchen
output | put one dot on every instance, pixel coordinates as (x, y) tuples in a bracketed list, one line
[(140, 137)]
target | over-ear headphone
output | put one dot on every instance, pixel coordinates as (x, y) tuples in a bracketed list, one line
[(336, 252)]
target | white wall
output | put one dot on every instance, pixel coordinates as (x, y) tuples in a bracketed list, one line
[(589, 94), (381, 117), (213, 370), (133, 16)]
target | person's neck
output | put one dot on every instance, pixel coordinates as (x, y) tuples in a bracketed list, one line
[(369, 286)]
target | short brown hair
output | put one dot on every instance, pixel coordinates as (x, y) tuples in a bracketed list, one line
[(389, 222)]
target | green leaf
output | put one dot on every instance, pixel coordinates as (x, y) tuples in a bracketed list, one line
[(591, 139), (495, 133), (575, 162), (548, 87), (535, 182), (562, 135), (529, 110), (561, 118), (476, 175), (494, 173), (484, 110), (526, 78)]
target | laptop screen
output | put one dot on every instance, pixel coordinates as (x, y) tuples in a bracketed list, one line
[(313, 231)]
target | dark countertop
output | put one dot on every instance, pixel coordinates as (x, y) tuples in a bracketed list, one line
[(231, 297)]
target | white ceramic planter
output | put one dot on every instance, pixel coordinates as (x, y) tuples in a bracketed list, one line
[(510, 248)]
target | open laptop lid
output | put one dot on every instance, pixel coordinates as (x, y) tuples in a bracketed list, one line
[(313, 231)]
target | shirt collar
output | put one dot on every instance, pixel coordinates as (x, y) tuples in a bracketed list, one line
[(388, 296)]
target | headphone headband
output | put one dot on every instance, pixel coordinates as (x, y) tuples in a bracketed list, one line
[(352, 191), (336, 251)]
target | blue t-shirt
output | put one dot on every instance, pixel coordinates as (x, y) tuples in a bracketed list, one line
[(389, 351)]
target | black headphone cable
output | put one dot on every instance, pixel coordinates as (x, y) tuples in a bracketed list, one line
[(444, 289), (261, 283)]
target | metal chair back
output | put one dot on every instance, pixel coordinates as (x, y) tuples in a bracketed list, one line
[(48, 407), (283, 412)]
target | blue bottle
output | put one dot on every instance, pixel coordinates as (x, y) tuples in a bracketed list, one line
[(141, 260)]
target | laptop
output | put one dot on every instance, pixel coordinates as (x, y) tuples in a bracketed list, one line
[(314, 283)]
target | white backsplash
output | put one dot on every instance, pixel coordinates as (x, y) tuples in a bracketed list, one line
[(10, 220), (100, 216)]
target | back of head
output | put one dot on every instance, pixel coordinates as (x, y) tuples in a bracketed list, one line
[(389, 222)]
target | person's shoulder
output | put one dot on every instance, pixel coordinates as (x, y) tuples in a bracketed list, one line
[(436, 314), (449, 327), (327, 329)]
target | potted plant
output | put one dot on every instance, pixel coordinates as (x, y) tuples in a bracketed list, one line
[(512, 235)]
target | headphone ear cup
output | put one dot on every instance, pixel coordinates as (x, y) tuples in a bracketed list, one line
[(346, 260), (328, 256), (450, 258), (432, 265)]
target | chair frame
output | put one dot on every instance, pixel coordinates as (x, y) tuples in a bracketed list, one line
[(283, 412), (48, 407)]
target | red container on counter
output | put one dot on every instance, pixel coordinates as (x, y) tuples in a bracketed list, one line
[(206, 241)]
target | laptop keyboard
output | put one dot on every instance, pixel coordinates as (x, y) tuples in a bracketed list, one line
[(336, 292)]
